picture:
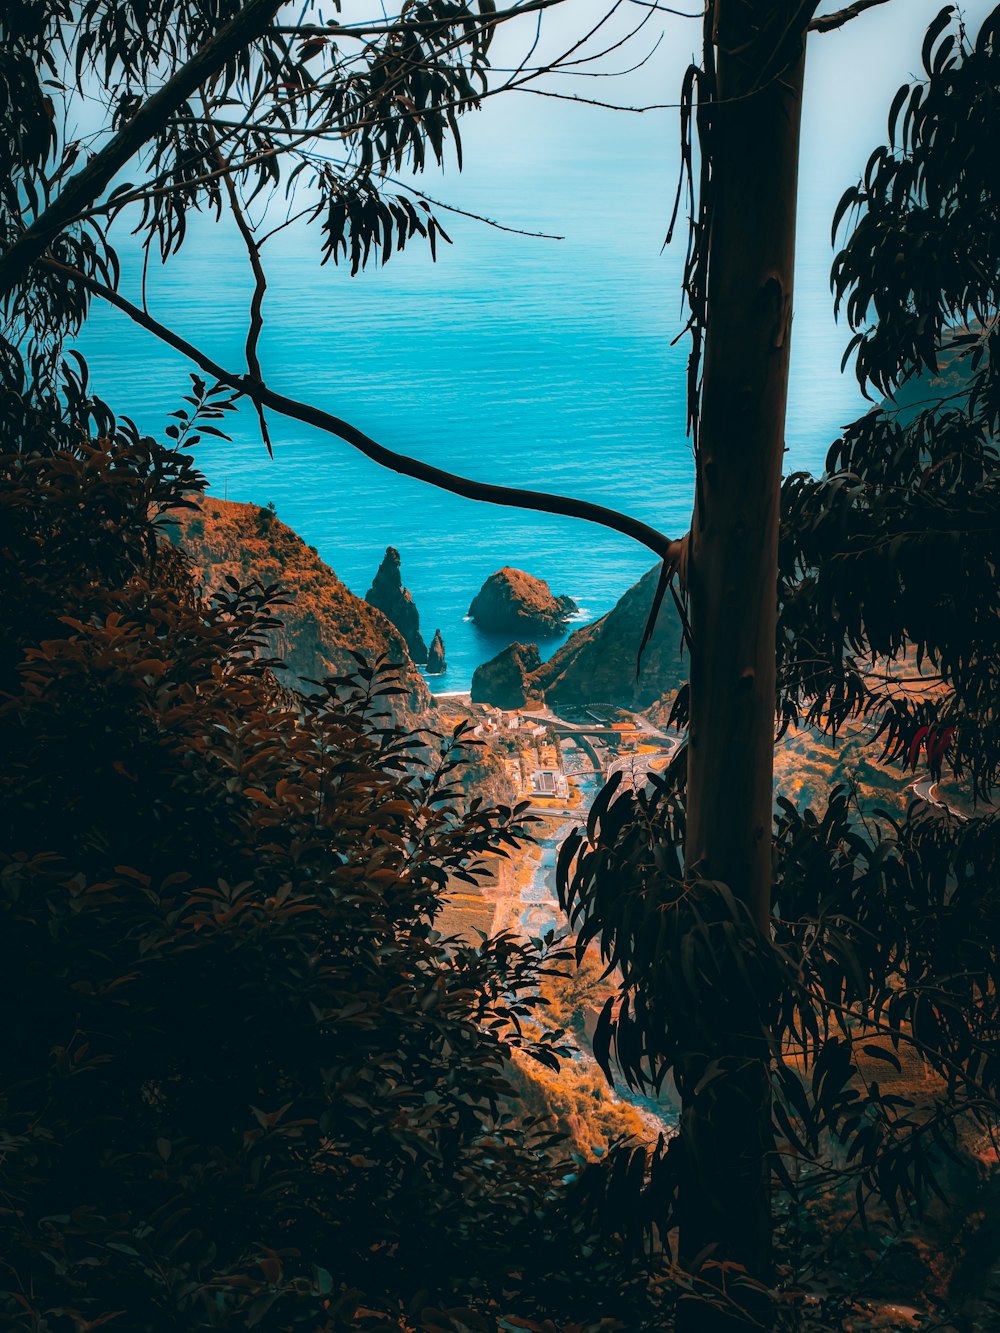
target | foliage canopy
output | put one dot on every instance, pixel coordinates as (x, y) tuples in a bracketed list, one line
[(247, 1079)]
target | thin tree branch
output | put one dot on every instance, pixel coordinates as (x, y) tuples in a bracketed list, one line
[(827, 22), (593, 101), (84, 188), (305, 31), (260, 284), (665, 9), (465, 213), (511, 497)]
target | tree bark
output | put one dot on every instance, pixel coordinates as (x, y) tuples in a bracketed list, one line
[(753, 142)]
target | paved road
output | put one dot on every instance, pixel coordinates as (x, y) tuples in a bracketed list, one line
[(927, 790), (595, 729), (639, 763)]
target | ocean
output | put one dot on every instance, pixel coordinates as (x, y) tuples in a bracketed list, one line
[(550, 364)]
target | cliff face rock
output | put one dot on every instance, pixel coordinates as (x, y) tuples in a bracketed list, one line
[(596, 664), (511, 601), (388, 595), (324, 619), (436, 663), (505, 680)]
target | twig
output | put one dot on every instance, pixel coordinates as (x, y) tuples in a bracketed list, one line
[(592, 101), (395, 24), (827, 22), (665, 9), (465, 213), (260, 283)]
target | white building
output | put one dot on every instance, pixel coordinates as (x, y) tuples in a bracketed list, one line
[(549, 782)]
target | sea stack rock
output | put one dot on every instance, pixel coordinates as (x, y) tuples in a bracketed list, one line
[(503, 681), (389, 596), (512, 601), (435, 656)]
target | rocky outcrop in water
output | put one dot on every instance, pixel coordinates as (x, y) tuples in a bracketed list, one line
[(324, 619), (511, 601), (436, 663), (505, 680), (389, 596), (597, 663)]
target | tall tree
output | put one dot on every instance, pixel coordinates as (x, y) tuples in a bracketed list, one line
[(741, 289), (873, 934)]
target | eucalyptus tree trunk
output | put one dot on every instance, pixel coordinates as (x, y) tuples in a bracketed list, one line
[(752, 137)]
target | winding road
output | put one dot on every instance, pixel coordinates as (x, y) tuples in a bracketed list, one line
[(926, 789)]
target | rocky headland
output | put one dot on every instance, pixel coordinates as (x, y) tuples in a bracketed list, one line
[(388, 595), (513, 602), (597, 663), (324, 620), (506, 680)]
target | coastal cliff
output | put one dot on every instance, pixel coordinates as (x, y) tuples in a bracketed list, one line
[(324, 620), (505, 681), (596, 664), (511, 601), (436, 663)]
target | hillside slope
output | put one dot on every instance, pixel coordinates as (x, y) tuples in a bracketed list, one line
[(324, 620), (597, 662)]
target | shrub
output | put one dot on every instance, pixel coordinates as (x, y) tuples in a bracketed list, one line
[(244, 1080)]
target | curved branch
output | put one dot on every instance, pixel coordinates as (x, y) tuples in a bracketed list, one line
[(259, 277), (827, 22), (669, 551)]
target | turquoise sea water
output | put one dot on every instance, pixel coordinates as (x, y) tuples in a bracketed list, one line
[(537, 363)]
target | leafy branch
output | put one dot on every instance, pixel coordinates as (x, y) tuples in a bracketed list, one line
[(83, 188)]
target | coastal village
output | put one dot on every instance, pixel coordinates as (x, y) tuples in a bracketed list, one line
[(544, 756), (554, 763)]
